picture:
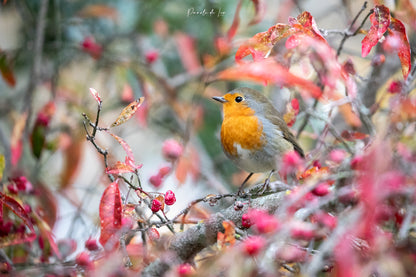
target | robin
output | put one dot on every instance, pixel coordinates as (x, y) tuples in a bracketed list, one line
[(253, 133)]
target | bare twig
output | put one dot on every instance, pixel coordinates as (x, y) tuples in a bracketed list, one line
[(348, 33)]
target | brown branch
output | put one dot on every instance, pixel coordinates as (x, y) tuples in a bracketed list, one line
[(187, 244)]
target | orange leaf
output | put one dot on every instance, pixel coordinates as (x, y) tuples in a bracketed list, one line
[(397, 29), (350, 117), (128, 112), (350, 135), (270, 71), (228, 237), (99, 10)]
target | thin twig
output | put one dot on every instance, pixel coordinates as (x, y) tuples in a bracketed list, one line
[(348, 33)]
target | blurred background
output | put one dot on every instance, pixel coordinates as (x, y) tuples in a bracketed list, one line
[(53, 51)]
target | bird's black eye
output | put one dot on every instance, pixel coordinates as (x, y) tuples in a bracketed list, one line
[(238, 99)]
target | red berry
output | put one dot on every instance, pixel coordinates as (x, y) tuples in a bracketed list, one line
[(245, 221), (321, 189), (253, 245), (395, 87), (83, 259), (156, 180), (170, 198), (172, 149), (151, 56), (91, 244), (156, 206), (184, 270)]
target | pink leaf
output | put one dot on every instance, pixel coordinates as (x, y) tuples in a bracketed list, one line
[(187, 51), (96, 95), (125, 146), (110, 213), (380, 21)]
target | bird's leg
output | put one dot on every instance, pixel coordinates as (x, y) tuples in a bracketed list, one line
[(241, 189), (266, 182)]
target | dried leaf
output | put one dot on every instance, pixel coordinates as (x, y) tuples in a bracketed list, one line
[(380, 21), (96, 95), (397, 29), (269, 71), (128, 112), (110, 214)]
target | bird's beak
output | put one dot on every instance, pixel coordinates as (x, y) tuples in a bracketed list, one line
[(219, 99)]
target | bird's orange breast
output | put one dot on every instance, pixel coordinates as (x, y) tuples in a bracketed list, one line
[(243, 130)]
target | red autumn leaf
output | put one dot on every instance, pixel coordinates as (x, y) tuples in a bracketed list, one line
[(380, 21), (7, 71), (236, 21), (187, 52), (306, 25), (397, 29), (96, 95), (270, 71), (261, 43), (259, 11), (18, 210), (110, 213), (128, 112)]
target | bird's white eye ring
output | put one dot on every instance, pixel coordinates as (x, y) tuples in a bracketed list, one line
[(238, 99)]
